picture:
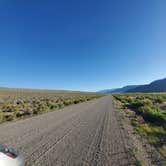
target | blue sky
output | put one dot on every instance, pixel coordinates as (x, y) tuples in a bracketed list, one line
[(81, 44)]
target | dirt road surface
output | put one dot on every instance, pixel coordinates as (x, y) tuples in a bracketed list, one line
[(87, 134)]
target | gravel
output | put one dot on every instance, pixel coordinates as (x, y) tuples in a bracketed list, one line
[(83, 134)]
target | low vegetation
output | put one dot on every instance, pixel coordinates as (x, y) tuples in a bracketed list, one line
[(148, 117), (21, 103)]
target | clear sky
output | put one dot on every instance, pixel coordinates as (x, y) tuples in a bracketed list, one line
[(81, 44)]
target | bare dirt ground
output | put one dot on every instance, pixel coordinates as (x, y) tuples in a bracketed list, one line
[(85, 134)]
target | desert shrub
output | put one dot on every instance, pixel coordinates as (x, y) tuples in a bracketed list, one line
[(1, 116), (163, 152), (60, 105), (26, 102), (59, 100), (67, 102), (121, 98), (8, 117), (147, 102), (41, 108), (35, 111), (153, 114), (48, 102), (139, 129), (76, 101), (152, 133), (88, 99), (53, 106), (7, 109), (19, 114), (135, 104), (159, 100), (83, 99), (24, 112)]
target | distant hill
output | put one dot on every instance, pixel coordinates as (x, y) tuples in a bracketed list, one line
[(155, 86), (124, 89), (106, 91), (118, 90)]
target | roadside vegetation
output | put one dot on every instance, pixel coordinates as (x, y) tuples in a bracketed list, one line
[(21, 103), (148, 117)]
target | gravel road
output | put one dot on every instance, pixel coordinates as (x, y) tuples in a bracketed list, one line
[(86, 134)]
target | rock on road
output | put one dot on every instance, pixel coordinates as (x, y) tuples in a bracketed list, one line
[(83, 134)]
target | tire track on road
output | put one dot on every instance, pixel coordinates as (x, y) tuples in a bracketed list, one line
[(87, 134)]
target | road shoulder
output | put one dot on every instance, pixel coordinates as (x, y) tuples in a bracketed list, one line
[(143, 153)]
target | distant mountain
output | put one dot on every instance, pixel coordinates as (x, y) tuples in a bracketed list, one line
[(106, 91), (155, 86), (124, 89), (118, 90)]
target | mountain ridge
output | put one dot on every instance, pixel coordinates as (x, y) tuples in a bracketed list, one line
[(118, 90), (154, 86)]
